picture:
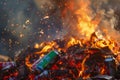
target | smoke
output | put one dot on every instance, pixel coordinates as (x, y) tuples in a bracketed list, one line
[(44, 5), (109, 17), (100, 11), (26, 22)]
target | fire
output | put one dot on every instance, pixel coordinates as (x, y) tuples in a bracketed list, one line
[(103, 70), (94, 42), (28, 62), (110, 43), (72, 42), (83, 68), (87, 26), (48, 46)]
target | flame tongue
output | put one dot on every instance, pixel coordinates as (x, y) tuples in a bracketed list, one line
[(86, 24)]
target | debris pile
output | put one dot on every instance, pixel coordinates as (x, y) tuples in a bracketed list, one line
[(71, 60)]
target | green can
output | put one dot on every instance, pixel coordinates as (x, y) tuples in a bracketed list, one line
[(46, 60)]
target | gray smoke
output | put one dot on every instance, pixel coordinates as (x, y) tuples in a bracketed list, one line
[(26, 24), (106, 9)]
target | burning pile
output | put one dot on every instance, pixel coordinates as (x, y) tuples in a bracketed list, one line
[(89, 53), (78, 59)]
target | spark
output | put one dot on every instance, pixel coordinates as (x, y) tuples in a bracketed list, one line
[(46, 17)]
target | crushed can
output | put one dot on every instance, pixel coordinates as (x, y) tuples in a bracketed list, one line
[(111, 66), (46, 61)]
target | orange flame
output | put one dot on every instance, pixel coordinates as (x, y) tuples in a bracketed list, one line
[(72, 42), (27, 62), (86, 24), (47, 47), (83, 68)]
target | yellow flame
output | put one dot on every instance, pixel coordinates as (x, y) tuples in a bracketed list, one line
[(47, 47), (83, 67), (72, 42), (86, 24)]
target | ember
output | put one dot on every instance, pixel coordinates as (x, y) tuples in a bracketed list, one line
[(91, 56)]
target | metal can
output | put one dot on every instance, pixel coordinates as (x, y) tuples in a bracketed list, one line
[(111, 66), (41, 64)]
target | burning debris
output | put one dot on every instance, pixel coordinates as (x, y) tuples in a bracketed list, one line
[(65, 59), (88, 53)]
